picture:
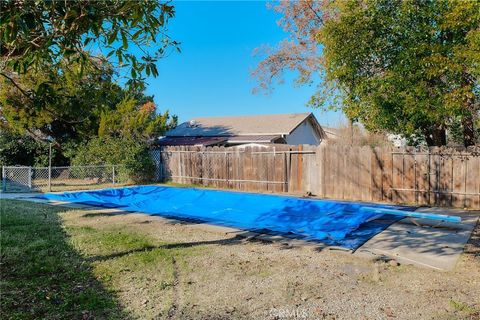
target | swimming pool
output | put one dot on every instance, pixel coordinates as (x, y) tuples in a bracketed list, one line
[(332, 222)]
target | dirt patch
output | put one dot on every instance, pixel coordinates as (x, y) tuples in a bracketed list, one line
[(173, 308)]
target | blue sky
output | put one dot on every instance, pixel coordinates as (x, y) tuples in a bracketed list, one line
[(211, 76)]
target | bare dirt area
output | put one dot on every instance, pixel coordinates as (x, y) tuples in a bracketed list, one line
[(212, 275)]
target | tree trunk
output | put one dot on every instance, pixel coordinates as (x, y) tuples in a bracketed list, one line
[(439, 137), (435, 137), (428, 139), (468, 130), (469, 111)]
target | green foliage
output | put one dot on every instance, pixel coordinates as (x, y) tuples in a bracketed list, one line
[(16, 149), (67, 109), (53, 82), (406, 67), (132, 155), (131, 120), (38, 33), (73, 109), (455, 134), (55, 85)]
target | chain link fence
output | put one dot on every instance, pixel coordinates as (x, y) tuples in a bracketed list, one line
[(43, 179)]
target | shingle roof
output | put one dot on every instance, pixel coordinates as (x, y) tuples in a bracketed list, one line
[(332, 132), (275, 124), (252, 139), (190, 141), (207, 141)]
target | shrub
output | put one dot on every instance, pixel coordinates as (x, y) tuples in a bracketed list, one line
[(132, 155)]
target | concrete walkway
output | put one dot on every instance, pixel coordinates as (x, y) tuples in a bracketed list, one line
[(18, 196), (410, 241)]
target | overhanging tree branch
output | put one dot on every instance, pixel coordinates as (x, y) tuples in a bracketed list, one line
[(16, 85)]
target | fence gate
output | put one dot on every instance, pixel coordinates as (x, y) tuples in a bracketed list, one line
[(16, 179), (44, 179)]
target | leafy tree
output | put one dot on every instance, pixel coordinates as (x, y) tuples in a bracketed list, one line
[(16, 149), (67, 109), (132, 120), (57, 61), (407, 67), (35, 33), (75, 105), (74, 108)]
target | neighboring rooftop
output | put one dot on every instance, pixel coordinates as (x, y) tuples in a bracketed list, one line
[(273, 124), (333, 133)]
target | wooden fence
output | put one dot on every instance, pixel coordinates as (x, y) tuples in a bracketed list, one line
[(432, 177)]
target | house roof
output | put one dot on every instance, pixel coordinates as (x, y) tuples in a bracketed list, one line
[(253, 139), (254, 125), (332, 132), (207, 141), (190, 141)]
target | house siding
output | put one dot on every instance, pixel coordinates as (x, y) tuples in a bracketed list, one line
[(303, 134)]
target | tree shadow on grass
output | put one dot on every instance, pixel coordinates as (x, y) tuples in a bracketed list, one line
[(229, 241), (42, 276)]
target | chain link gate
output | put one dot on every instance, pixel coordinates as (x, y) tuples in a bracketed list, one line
[(16, 179), (42, 179)]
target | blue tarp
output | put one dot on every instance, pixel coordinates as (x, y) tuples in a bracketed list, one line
[(338, 223)]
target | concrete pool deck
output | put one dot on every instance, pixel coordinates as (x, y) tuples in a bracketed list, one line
[(423, 242), (410, 241)]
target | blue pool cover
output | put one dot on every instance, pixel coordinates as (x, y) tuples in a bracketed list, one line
[(338, 223)]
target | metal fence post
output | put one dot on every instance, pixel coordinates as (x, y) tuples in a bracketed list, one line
[(49, 178), (50, 167), (30, 177), (113, 174), (4, 180)]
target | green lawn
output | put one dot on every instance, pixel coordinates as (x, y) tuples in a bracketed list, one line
[(42, 276), (51, 270)]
